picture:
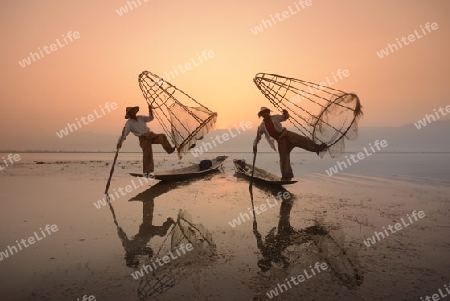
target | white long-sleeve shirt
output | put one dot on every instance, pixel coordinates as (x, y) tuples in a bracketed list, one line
[(276, 119), (137, 127)]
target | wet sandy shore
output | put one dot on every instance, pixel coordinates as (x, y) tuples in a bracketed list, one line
[(324, 220)]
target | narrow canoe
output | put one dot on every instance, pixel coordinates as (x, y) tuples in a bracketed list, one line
[(259, 175), (186, 172)]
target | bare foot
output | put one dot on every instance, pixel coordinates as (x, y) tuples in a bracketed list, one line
[(171, 150)]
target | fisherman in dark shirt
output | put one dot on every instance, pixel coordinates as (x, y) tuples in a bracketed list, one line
[(273, 130)]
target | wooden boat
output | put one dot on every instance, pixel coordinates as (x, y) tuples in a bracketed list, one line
[(186, 172), (260, 175)]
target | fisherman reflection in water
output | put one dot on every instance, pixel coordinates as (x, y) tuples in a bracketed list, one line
[(274, 244), (137, 245)]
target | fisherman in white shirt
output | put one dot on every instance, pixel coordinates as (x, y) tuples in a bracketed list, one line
[(138, 126)]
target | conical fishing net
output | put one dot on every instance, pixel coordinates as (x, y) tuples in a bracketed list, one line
[(324, 114), (203, 251), (183, 119), (187, 232)]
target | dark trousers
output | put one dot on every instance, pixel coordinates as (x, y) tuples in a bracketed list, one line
[(287, 141), (146, 141)]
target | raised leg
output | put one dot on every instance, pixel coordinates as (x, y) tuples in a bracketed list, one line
[(284, 149), (301, 141), (160, 139)]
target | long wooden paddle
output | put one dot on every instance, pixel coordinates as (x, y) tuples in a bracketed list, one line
[(112, 167), (112, 211), (250, 187), (253, 168)]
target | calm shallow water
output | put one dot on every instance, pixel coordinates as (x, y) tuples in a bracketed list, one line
[(429, 168), (94, 250)]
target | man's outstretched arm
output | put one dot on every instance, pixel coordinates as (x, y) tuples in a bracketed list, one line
[(256, 141), (162, 230), (150, 112), (150, 116), (126, 130)]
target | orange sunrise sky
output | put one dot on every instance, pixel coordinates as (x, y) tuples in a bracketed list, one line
[(103, 63)]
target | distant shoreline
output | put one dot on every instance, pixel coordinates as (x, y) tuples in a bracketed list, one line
[(231, 152)]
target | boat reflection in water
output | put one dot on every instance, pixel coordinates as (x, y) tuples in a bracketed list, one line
[(284, 245), (189, 245), (274, 244)]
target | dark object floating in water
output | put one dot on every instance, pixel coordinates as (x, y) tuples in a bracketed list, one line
[(186, 172), (259, 175)]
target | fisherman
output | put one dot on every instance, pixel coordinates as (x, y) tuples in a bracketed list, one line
[(137, 125), (273, 130), (273, 247), (137, 245)]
